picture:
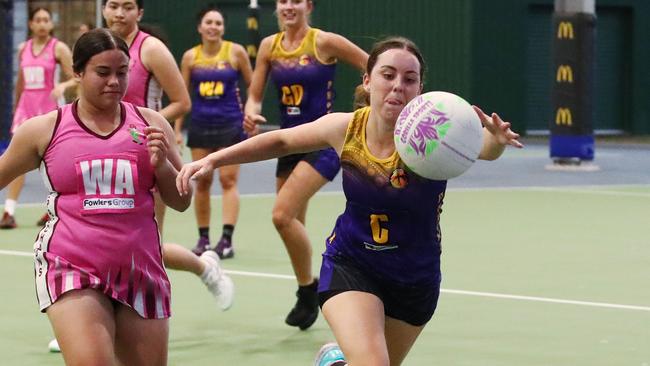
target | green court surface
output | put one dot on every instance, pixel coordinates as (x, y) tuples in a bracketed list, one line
[(531, 276)]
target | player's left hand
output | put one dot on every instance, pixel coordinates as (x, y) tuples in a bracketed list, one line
[(193, 171), (157, 145), (499, 128)]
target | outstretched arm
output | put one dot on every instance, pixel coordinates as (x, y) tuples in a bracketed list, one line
[(326, 131), (496, 136)]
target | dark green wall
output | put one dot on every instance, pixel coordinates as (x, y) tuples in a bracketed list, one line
[(439, 28), (475, 48)]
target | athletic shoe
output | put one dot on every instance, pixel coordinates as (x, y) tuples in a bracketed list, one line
[(43, 220), (201, 246), (305, 312), (329, 355), (53, 346), (7, 221), (221, 286), (224, 248)]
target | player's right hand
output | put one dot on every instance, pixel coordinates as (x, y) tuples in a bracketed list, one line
[(250, 123)]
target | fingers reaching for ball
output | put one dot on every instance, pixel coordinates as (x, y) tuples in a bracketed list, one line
[(499, 128)]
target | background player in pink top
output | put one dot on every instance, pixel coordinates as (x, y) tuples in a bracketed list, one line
[(37, 91), (98, 264), (152, 71)]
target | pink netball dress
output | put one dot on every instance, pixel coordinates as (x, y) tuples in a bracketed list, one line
[(102, 233), (144, 90), (38, 74)]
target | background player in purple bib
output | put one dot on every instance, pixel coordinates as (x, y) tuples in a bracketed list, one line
[(301, 61), (380, 276), (37, 91), (98, 260), (152, 71), (212, 71)]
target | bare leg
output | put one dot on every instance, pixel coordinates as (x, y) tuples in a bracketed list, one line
[(291, 203), (228, 176), (182, 259), (364, 333), (400, 337), (357, 321), (202, 192), (15, 187), (140, 341), (84, 325)]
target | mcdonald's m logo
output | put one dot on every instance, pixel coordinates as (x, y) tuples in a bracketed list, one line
[(251, 50), (563, 117), (564, 74), (565, 30), (251, 23)]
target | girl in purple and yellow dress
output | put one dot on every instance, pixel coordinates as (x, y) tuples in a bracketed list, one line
[(301, 62), (212, 71), (380, 276)]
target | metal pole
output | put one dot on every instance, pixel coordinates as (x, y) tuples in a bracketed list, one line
[(252, 23), (571, 140), (575, 6), (99, 18)]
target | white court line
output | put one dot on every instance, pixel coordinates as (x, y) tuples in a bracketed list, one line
[(547, 299), (448, 291), (585, 189), (17, 254), (597, 190)]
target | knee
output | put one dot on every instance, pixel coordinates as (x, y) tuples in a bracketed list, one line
[(204, 184), (281, 218), (228, 182)]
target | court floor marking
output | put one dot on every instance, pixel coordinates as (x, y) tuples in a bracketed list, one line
[(449, 291), (582, 189)]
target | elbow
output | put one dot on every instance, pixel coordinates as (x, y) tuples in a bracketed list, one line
[(183, 204), (185, 105)]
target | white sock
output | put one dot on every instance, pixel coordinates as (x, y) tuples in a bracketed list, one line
[(10, 206)]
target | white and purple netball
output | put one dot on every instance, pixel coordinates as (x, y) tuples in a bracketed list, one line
[(438, 135)]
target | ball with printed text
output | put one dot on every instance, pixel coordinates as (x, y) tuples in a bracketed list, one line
[(438, 135)]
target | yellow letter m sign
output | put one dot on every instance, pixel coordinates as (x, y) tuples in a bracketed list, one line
[(564, 74), (563, 117), (565, 30)]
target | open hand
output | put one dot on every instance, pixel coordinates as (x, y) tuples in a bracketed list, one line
[(193, 171), (499, 129)]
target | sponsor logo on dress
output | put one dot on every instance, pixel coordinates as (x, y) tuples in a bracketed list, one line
[(107, 184)]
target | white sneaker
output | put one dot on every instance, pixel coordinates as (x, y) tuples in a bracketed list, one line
[(53, 346), (221, 286)]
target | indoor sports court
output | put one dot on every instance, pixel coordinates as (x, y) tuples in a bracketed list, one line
[(553, 275), (545, 260)]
